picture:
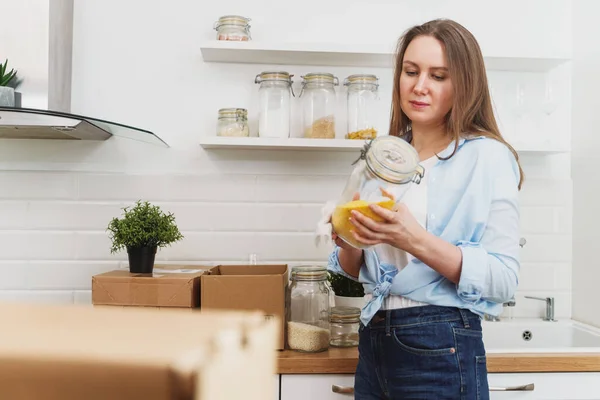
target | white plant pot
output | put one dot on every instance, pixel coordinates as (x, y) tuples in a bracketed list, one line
[(7, 96), (344, 301)]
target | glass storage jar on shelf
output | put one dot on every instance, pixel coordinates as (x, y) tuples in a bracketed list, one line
[(233, 27), (274, 109), (233, 122), (344, 323), (361, 106), (385, 171), (318, 102), (308, 320)]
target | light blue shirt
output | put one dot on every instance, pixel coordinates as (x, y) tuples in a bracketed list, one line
[(472, 203)]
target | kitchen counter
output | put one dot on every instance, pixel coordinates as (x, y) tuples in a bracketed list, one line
[(344, 360)]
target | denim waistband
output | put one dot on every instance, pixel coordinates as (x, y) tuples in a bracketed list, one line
[(423, 314)]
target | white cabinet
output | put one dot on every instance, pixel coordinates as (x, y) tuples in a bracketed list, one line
[(547, 386), (315, 387)]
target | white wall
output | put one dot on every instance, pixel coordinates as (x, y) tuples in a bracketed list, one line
[(586, 141), (24, 42), (139, 62)]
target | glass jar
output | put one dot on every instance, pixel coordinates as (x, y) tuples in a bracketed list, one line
[(233, 122), (318, 102), (361, 106), (308, 322), (386, 169), (344, 324), (233, 27), (274, 110)]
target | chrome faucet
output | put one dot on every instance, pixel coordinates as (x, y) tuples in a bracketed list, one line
[(492, 318), (549, 306)]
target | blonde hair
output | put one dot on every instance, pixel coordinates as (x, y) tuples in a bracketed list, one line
[(471, 113)]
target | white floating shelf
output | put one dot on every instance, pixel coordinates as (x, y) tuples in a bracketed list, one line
[(351, 55), (249, 143), (256, 143)]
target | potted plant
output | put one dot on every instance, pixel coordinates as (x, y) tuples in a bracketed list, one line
[(142, 230), (8, 84), (347, 292)]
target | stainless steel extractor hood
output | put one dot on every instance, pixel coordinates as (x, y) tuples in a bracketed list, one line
[(28, 123)]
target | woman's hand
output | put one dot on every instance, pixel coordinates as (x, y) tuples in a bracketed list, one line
[(399, 228)]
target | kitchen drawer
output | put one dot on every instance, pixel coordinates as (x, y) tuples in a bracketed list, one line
[(317, 387), (547, 386)]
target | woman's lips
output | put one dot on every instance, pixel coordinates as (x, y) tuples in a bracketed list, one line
[(419, 104)]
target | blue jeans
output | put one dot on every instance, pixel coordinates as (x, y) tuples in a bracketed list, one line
[(427, 352)]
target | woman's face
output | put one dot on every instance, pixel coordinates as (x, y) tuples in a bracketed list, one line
[(426, 90)]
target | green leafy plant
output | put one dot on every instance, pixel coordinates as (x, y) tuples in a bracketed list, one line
[(343, 286), (8, 78), (144, 225)]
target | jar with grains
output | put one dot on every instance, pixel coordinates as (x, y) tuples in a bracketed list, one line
[(318, 102), (233, 27), (233, 122), (274, 99), (308, 308), (361, 106), (384, 172), (344, 322)]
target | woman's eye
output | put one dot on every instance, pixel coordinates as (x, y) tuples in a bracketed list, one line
[(438, 77), (411, 73)]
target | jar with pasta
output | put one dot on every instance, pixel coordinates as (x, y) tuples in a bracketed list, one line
[(384, 172), (233, 122), (233, 28), (318, 103), (361, 106)]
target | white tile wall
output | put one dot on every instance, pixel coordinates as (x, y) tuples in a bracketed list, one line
[(57, 198)]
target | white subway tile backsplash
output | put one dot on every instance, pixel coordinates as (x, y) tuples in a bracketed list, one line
[(546, 192), (12, 275), (37, 296), (82, 297), (299, 189), (13, 214), (52, 244), (37, 245), (237, 247), (537, 220), (547, 248), (71, 215), (130, 188), (63, 275), (37, 185)]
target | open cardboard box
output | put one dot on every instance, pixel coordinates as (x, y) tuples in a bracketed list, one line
[(248, 287), (68, 352)]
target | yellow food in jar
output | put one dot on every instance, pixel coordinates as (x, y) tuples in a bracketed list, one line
[(340, 220), (369, 133)]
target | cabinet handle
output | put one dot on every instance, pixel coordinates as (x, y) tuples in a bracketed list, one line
[(525, 388), (342, 389)]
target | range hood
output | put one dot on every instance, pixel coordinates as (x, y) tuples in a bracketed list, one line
[(29, 123)]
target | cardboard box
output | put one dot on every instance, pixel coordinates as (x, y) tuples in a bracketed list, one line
[(248, 287), (69, 352), (168, 286)]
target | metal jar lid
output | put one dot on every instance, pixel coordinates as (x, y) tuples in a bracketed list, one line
[(344, 315), (393, 160), (280, 76), (236, 20), (309, 273), (361, 79), (233, 113)]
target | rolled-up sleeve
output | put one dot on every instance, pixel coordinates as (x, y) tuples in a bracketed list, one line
[(333, 264), (490, 266)]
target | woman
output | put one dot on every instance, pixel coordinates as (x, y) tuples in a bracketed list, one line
[(448, 253)]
